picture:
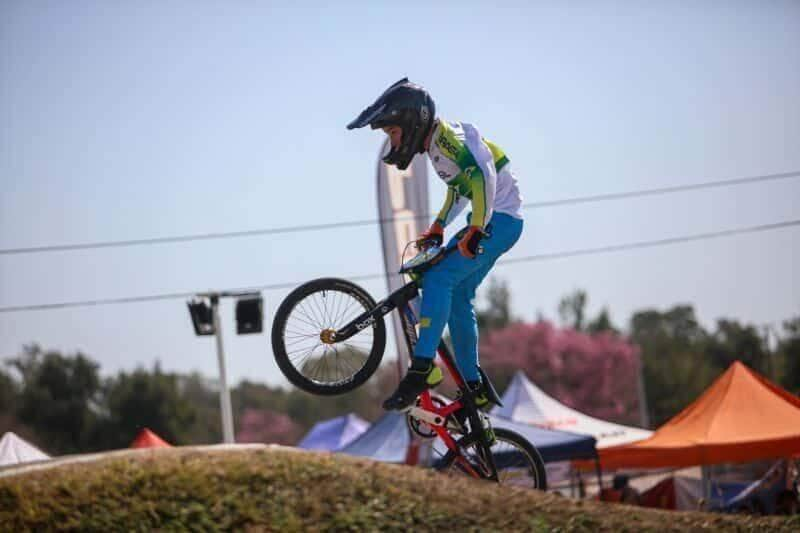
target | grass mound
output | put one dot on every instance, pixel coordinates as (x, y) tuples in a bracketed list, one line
[(275, 489)]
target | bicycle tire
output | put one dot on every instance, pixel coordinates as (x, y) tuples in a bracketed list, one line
[(524, 459), (311, 314)]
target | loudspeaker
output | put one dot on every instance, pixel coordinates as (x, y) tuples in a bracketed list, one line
[(202, 318), (249, 315)]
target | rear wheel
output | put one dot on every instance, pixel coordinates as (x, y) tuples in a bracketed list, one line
[(517, 461), (301, 337)]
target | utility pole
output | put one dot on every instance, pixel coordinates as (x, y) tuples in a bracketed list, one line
[(770, 352), (224, 393), (206, 321), (644, 415)]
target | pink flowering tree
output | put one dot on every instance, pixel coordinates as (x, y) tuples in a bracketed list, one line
[(263, 425), (593, 373)]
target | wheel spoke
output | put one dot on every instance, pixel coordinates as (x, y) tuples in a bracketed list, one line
[(325, 311), (337, 301), (305, 351), (326, 364), (349, 317), (303, 359), (320, 362), (309, 308), (319, 312), (296, 335), (296, 342), (346, 362), (304, 321)]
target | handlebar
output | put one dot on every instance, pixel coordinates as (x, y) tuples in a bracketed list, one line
[(430, 255)]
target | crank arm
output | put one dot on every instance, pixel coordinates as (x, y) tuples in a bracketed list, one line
[(432, 419)]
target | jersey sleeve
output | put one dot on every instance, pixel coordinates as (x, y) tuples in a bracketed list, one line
[(482, 177), (453, 206)]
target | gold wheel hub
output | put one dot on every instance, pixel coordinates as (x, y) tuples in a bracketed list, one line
[(328, 336)]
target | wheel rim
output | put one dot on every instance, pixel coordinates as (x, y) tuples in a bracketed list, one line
[(306, 337)]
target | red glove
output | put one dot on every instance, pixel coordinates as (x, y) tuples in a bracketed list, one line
[(468, 245), (433, 236)]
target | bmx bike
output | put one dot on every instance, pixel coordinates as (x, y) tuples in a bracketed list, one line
[(329, 336)]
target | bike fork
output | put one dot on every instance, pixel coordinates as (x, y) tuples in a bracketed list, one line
[(484, 445)]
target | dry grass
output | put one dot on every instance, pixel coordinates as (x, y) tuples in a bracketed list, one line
[(280, 490)]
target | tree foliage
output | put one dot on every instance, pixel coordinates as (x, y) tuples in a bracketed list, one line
[(572, 310), (144, 399), (56, 397), (497, 313), (8, 392), (266, 425), (681, 358), (788, 352), (602, 323), (591, 373), (61, 403)]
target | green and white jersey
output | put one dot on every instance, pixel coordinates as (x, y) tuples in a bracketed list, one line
[(475, 170)]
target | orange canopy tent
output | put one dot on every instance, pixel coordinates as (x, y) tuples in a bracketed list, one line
[(741, 417), (148, 439)]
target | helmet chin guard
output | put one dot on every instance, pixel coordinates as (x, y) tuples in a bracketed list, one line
[(408, 106)]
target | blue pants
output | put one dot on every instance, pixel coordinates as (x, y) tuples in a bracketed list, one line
[(448, 294)]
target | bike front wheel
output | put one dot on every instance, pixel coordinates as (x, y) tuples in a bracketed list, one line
[(304, 321), (517, 461)]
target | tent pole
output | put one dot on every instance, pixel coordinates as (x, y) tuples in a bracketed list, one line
[(571, 482), (706, 471), (644, 414), (599, 475)]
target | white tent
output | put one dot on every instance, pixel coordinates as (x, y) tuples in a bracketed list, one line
[(15, 450), (525, 402)]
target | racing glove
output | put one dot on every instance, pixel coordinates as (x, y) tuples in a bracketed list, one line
[(468, 245), (432, 236)]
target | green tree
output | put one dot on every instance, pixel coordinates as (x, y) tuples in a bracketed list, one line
[(57, 397), (675, 368), (200, 393), (572, 310), (497, 313), (145, 399), (9, 390), (602, 323), (788, 351), (8, 393), (733, 341), (306, 409)]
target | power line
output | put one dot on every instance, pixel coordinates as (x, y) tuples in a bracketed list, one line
[(364, 277), (368, 222), (663, 190), (652, 243)]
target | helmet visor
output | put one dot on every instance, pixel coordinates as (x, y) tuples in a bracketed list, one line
[(368, 116)]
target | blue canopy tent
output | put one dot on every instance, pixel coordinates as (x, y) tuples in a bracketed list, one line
[(759, 495), (553, 445), (334, 434), (386, 440)]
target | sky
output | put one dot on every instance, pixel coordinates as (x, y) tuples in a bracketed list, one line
[(148, 119)]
